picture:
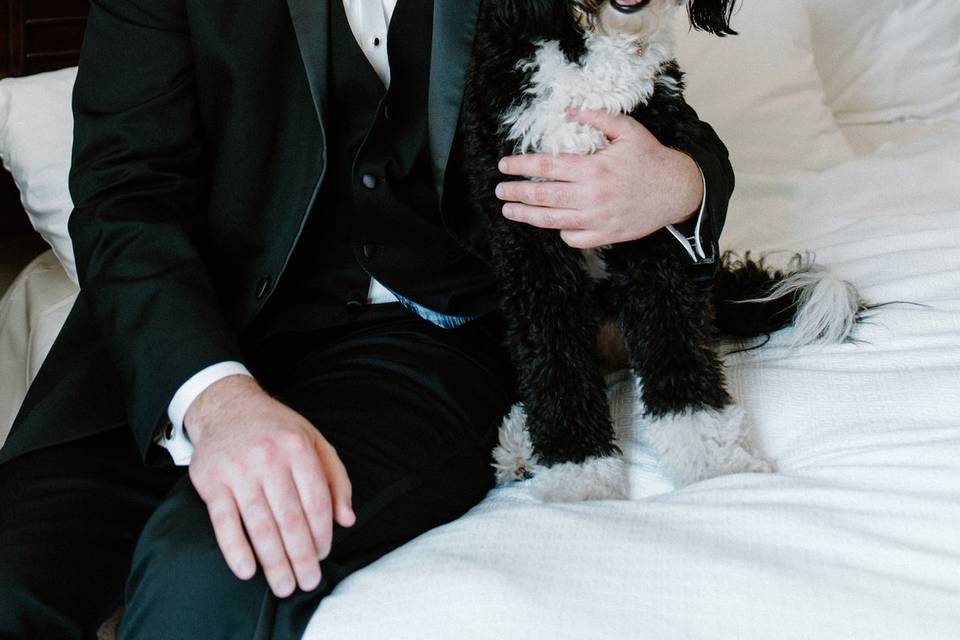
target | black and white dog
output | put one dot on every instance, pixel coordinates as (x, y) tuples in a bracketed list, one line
[(533, 59)]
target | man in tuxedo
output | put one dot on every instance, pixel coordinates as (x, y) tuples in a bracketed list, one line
[(286, 358)]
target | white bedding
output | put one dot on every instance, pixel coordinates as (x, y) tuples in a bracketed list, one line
[(856, 536)]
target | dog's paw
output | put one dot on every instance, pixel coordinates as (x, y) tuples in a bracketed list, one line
[(695, 446), (513, 457), (597, 478), (594, 479)]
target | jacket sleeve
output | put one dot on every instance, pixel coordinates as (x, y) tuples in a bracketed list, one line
[(675, 124), (139, 191)]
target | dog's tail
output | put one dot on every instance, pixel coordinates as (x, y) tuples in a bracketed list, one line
[(752, 299)]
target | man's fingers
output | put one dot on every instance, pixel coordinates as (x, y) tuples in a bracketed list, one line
[(582, 239), (230, 536), (298, 541), (341, 490), (311, 482), (544, 217), (562, 195), (565, 167), (612, 125), (265, 538)]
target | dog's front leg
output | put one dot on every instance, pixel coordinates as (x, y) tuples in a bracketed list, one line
[(552, 323), (667, 326)]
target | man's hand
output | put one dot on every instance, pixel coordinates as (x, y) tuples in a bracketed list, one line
[(269, 480), (628, 190)]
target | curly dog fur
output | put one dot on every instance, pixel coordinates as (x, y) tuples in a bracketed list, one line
[(532, 59)]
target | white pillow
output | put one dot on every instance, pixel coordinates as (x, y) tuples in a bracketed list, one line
[(761, 90), (36, 137), (883, 60)]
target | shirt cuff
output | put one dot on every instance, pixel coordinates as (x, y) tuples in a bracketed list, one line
[(379, 294), (693, 245), (174, 439)]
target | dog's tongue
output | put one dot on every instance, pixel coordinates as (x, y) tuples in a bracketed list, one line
[(628, 3)]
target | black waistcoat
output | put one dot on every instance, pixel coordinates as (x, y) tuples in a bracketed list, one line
[(377, 212)]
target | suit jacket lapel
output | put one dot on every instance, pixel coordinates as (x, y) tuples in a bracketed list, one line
[(454, 25), (311, 24)]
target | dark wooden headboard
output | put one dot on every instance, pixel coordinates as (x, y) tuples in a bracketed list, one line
[(35, 36)]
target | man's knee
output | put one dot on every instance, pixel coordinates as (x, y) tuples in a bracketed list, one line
[(179, 578)]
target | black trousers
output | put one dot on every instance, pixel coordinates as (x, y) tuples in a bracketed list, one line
[(412, 410)]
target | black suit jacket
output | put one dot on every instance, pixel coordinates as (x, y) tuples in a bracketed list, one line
[(198, 153)]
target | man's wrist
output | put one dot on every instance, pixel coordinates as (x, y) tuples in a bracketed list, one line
[(688, 232), (693, 192), (173, 437), (213, 400)]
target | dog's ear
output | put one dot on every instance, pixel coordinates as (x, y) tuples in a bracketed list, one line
[(712, 15)]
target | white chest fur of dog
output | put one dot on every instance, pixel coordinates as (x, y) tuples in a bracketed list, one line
[(614, 76), (617, 74)]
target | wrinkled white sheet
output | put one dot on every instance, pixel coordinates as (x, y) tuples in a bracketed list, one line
[(857, 535)]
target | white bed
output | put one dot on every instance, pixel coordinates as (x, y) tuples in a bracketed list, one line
[(857, 535)]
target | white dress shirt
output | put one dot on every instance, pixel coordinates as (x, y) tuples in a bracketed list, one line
[(369, 22)]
